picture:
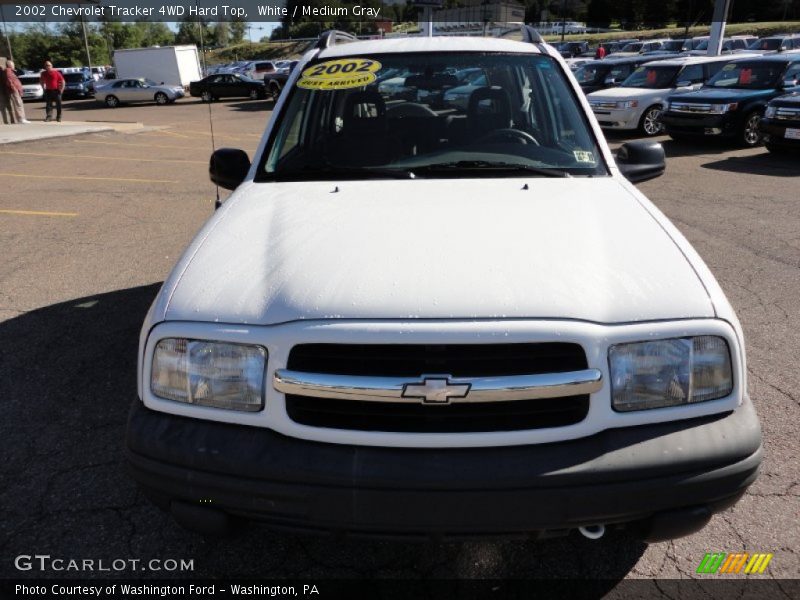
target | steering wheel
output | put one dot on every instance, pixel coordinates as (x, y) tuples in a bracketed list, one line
[(523, 137)]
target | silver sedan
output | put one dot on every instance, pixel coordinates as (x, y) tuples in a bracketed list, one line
[(114, 92)]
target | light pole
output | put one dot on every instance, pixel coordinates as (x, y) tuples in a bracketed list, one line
[(86, 43), (5, 33)]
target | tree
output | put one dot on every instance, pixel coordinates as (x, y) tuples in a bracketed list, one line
[(599, 13), (192, 31), (237, 30)]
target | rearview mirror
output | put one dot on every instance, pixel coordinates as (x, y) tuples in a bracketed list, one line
[(640, 161), (611, 80), (228, 167)]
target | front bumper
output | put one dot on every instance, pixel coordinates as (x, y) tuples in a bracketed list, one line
[(618, 118), (776, 130), (634, 474), (724, 125)]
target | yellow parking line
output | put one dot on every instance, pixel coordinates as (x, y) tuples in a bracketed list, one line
[(26, 176), (55, 155), (37, 213), (137, 145)]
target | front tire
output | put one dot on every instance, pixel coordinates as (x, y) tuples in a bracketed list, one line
[(651, 125), (750, 136), (275, 90), (207, 97), (112, 101), (254, 95), (161, 99)]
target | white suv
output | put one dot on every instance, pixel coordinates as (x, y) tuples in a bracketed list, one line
[(417, 318), (639, 100)]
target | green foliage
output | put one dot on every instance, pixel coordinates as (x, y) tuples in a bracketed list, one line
[(64, 44)]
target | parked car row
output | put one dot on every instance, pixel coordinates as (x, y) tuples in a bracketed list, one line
[(696, 46), (698, 96)]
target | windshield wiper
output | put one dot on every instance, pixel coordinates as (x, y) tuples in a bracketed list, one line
[(488, 165), (330, 172)]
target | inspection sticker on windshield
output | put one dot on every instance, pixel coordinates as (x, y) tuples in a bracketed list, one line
[(341, 74), (584, 156)]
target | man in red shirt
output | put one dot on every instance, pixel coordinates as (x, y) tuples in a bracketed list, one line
[(14, 91), (53, 83), (601, 53)]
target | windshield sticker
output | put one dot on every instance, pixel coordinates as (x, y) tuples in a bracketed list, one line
[(584, 156), (651, 77), (341, 74)]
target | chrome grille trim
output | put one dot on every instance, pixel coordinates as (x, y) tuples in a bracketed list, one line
[(481, 389), (689, 107)]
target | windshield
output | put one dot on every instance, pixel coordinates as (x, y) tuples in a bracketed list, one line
[(673, 45), (766, 44), (452, 115), (632, 47), (748, 75), (652, 77), (149, 82), (29, 79), (74, 78), (592, 73)]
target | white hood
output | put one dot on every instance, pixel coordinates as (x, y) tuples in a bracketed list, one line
[(629, 93), (565, 248)]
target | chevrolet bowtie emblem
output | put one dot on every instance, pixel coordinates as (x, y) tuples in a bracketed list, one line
[(436, 390)]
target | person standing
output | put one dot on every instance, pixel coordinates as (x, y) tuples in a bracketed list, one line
[(53, 83), (601, 52), (14, 91)]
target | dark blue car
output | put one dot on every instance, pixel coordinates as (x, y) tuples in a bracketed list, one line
[(733, 102), (781, 123)]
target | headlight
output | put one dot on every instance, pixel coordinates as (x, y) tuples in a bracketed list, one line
[(628, 104), (669, 372), (770, 112), (215, 374), (720, 109)]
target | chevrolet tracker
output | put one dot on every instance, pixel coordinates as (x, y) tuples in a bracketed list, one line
[(422, 318)]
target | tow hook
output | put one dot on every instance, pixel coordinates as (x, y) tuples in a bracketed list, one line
[(593, 532)]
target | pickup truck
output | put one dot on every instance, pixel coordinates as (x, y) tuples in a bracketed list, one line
[(417, 319), (276, 80)]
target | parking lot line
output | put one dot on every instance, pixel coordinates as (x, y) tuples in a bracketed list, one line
[(38, 213), (55, 155), (165, 132), (138, 145), (86, 178)]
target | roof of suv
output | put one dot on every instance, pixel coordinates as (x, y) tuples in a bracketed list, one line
[(428, 44), (688, 60)]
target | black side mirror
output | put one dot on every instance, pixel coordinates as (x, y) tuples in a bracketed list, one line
[(640, 161), (228, 167)]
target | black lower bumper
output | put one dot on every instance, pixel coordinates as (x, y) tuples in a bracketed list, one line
[(639, 474), (700, 125), (776, 130)]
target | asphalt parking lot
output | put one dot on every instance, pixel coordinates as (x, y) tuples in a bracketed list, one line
[(90, 226)]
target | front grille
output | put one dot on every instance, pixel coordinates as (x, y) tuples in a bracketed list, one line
[(603, 105), (458, 360), (452, 418), (783, 113), (690, 108)]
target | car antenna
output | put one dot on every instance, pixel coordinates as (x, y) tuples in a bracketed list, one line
[(217, 202)]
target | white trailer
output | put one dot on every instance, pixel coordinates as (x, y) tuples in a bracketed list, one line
[(172, 65)]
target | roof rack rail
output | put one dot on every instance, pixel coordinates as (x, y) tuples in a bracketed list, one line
[(329, 38), (531, 35)]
